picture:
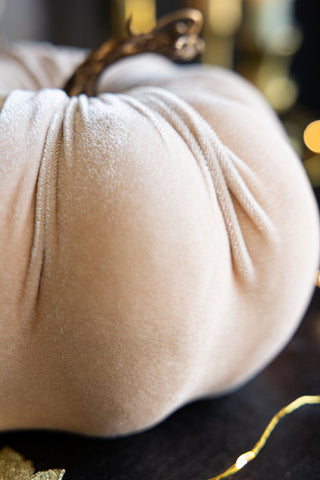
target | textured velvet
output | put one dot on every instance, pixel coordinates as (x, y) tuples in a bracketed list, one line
[(158, 243)]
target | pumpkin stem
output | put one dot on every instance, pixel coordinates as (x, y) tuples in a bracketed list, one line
[(176, 36)]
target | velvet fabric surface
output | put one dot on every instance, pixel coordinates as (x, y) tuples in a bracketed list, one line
[(158, 242)]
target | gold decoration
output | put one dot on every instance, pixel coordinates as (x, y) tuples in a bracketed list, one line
[(251, 454), (14, 467)]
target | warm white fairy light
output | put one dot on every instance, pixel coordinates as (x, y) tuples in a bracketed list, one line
[(251, 454)]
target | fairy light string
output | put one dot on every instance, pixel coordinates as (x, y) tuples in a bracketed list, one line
[(247, 457)]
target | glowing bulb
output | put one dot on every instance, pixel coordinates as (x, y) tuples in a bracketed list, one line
[(244, 459)]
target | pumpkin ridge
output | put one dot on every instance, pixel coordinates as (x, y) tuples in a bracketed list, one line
[(68, 129), (163, 110), (144, 110), (197, 133), (246, 199), (43, 209)]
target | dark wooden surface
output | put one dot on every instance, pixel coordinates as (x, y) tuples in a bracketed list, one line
[(204, 438)]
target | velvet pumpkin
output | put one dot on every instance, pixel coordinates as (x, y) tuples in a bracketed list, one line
[(158, 242)]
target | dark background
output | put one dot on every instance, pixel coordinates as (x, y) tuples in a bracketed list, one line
[(204, 438)]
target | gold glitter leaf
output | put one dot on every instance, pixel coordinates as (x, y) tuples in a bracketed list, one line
[(49, 475), (14, 467)]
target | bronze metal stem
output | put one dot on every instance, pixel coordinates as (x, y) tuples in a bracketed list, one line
[(175, 36)]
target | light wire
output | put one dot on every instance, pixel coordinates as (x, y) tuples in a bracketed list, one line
[(246, 457)]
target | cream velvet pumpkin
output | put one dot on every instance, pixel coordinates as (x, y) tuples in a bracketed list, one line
[(158, 242)]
